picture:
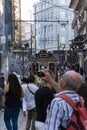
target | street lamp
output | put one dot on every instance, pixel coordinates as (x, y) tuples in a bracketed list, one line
[(58, 49)]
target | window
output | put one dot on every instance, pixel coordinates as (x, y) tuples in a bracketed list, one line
[(62, 14), (35, 67), (52, 14), (63, 26), (42, 6), (48, 41), (52, 40), (62, 39), (52, 27), (52, 66), (62, 2)]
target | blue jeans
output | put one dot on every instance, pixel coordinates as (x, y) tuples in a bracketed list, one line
[(11, 118)]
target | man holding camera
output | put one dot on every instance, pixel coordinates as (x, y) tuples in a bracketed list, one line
[(60, 112), (43, 98)]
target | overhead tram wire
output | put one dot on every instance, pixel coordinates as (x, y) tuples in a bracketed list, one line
[(37, 21)]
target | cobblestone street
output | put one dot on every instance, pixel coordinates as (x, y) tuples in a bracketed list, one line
[(21, 122)]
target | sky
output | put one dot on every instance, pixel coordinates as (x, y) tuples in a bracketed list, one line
[(27, 9)]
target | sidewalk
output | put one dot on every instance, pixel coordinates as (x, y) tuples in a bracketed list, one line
[(21, 122)]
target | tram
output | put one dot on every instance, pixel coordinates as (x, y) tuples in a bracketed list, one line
[(43, 60)]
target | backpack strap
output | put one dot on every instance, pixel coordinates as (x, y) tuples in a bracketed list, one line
[(74, 106), (30, 90), (70, 101)]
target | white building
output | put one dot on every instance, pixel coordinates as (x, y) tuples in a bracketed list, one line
[(2, 30), (2, 19), (53, 25), (28, 34)]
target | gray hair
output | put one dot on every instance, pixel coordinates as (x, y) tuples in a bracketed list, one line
[(71, 83)]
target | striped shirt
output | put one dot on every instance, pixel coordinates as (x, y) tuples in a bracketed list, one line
[(59, 112)]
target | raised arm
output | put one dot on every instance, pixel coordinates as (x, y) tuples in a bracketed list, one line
[(49, 77)]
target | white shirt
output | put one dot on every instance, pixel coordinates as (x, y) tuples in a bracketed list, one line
[(59, 113), (24, 106), (29, 97), (24, 86)]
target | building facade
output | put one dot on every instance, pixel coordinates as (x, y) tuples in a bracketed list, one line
[(8, 21), (2, 19), (79, 25), (2, 31), (53, 25), (28, 35)]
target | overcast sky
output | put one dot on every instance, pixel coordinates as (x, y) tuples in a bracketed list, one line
[(27, 8)]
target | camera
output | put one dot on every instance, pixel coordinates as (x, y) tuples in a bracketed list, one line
[(40, 74)]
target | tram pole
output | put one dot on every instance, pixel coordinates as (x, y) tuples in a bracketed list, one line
[(23, 60), (35, 30), (58, 54), (58, 49)]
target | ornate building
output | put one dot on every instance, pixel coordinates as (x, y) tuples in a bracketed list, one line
[(53, 25), (79, 25)]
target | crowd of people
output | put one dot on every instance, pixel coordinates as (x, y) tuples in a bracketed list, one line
[(42, 104), (66, 66)]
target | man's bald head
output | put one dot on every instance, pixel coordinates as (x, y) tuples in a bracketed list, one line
[(73, 80)]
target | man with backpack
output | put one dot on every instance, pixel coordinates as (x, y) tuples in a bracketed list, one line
[(66, 111)]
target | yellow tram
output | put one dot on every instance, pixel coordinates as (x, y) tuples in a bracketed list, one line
[(43, 60)]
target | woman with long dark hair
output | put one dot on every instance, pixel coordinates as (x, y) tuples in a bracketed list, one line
[(13, 93)]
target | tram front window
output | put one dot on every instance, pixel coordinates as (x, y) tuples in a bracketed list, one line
[(35, 67), (52, 66), (43, 66)]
